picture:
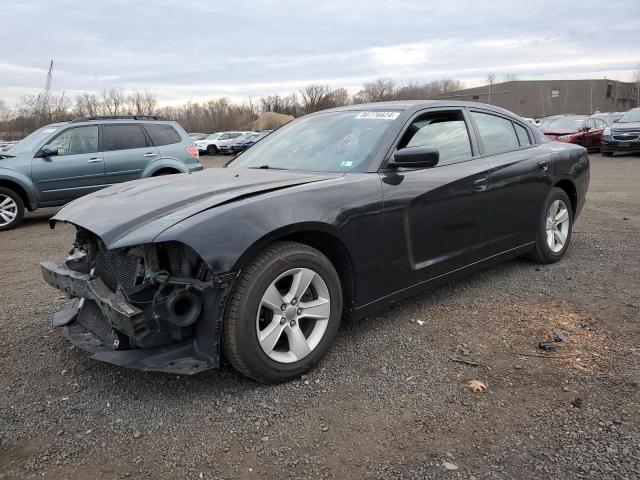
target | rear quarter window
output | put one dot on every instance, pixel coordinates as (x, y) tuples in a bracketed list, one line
[(162, 134), (496, 133)]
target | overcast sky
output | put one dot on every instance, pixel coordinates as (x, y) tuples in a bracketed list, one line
[(194, 50)]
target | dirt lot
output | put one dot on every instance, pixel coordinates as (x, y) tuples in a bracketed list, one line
[(391, 398)]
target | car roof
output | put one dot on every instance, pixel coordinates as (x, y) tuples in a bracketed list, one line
[(415, 105)]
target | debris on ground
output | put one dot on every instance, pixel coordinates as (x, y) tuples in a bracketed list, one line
[(578, 402), (547, 346), (477, 385), (464, 360), (450, 466), (559, 336)]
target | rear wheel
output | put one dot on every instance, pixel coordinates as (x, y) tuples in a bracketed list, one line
[(11, 209), (212, 150), (554, 228), (283, 313)]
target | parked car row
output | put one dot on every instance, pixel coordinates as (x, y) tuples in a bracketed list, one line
[(607, 132), (63, 161), (221, 143)]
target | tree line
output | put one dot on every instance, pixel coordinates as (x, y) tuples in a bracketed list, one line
[(34, 111)]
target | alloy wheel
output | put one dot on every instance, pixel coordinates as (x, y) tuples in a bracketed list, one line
[(557, 225), (8, 210), (293, 315)]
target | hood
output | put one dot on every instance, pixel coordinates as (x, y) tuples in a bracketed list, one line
[(554, 132), (136, 212), (621, 127)]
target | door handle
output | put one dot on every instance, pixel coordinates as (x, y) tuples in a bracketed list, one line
[(94, 160), (544, 165), (150, 154), (481, 184)]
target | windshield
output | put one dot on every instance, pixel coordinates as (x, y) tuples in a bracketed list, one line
[(566, 124), (213, 136), (33, 141), (631, 116), (327, 142)]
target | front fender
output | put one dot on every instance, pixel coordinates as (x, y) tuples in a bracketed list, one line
[(23, 181)]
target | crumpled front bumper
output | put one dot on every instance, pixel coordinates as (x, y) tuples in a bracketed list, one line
[(92, 319)]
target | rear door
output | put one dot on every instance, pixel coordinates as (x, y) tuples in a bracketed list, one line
[(436, 217), (77, 169), (127, 151), (519, 181)]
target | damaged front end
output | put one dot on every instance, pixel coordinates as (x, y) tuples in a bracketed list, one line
[(153, 307)]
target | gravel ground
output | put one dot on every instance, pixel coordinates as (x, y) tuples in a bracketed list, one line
[(390, 400)]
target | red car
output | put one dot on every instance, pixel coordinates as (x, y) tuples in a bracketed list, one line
[(579, 129)]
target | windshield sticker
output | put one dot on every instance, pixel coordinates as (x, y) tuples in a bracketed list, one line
[(378, 115), (346, 163)]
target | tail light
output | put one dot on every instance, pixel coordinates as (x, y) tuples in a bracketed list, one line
[(193, 151)]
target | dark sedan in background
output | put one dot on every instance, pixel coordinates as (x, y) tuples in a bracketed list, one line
[(250, 140), (332, 216)]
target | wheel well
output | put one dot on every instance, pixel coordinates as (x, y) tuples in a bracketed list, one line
[(570, 189), (165, 171), (18, 189), (337, 254)]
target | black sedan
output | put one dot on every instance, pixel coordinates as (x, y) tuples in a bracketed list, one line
[(330, 217)]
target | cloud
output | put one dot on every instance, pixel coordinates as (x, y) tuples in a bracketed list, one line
[(201, 49)]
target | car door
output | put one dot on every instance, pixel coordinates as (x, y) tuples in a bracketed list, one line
[(593, 136), (76, 170), (519, 179), (127, 152), (436, 217)]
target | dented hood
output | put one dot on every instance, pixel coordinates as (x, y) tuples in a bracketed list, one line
[(136, 212)]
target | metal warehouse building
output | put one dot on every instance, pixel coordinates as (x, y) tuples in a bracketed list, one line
[(539, 98)]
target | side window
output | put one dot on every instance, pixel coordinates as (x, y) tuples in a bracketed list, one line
[(234, 135), (224, 136), (77, 140), (162, 134), (599, 123), (122, 137), (591, 123), (496, 133), (445, 131), (523, 135)]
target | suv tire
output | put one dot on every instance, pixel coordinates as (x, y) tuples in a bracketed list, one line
[(283, 313), (212, 150), (11, 209)]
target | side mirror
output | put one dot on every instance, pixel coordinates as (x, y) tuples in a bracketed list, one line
[(49, 150), (415, 157)]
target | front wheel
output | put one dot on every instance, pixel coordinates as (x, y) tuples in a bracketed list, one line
[(11, 209), (283, 313), (554, 228)]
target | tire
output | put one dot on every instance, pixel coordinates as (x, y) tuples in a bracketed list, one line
[(280, 354), (549, 248), (212, 150), (11, 209)]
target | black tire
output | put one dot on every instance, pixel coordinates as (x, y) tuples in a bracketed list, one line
[(19, 210), (543, 253), (240, 342), (212, 150), (607, 154)]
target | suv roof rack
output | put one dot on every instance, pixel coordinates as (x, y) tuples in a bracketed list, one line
[(119, 117)]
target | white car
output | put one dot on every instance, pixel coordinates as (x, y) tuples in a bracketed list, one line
[(212, 144)]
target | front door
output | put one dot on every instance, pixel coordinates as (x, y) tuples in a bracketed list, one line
[(127, 152), (593, 136), (436, 217), (77, 169)]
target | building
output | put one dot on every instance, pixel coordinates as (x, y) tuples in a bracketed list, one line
[(539, 98)]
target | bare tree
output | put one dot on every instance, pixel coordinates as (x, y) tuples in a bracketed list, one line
[(113, 101), (379, 90), (87, 105), (141, 103)]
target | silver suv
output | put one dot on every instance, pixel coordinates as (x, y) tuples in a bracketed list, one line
[(64, 161)]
